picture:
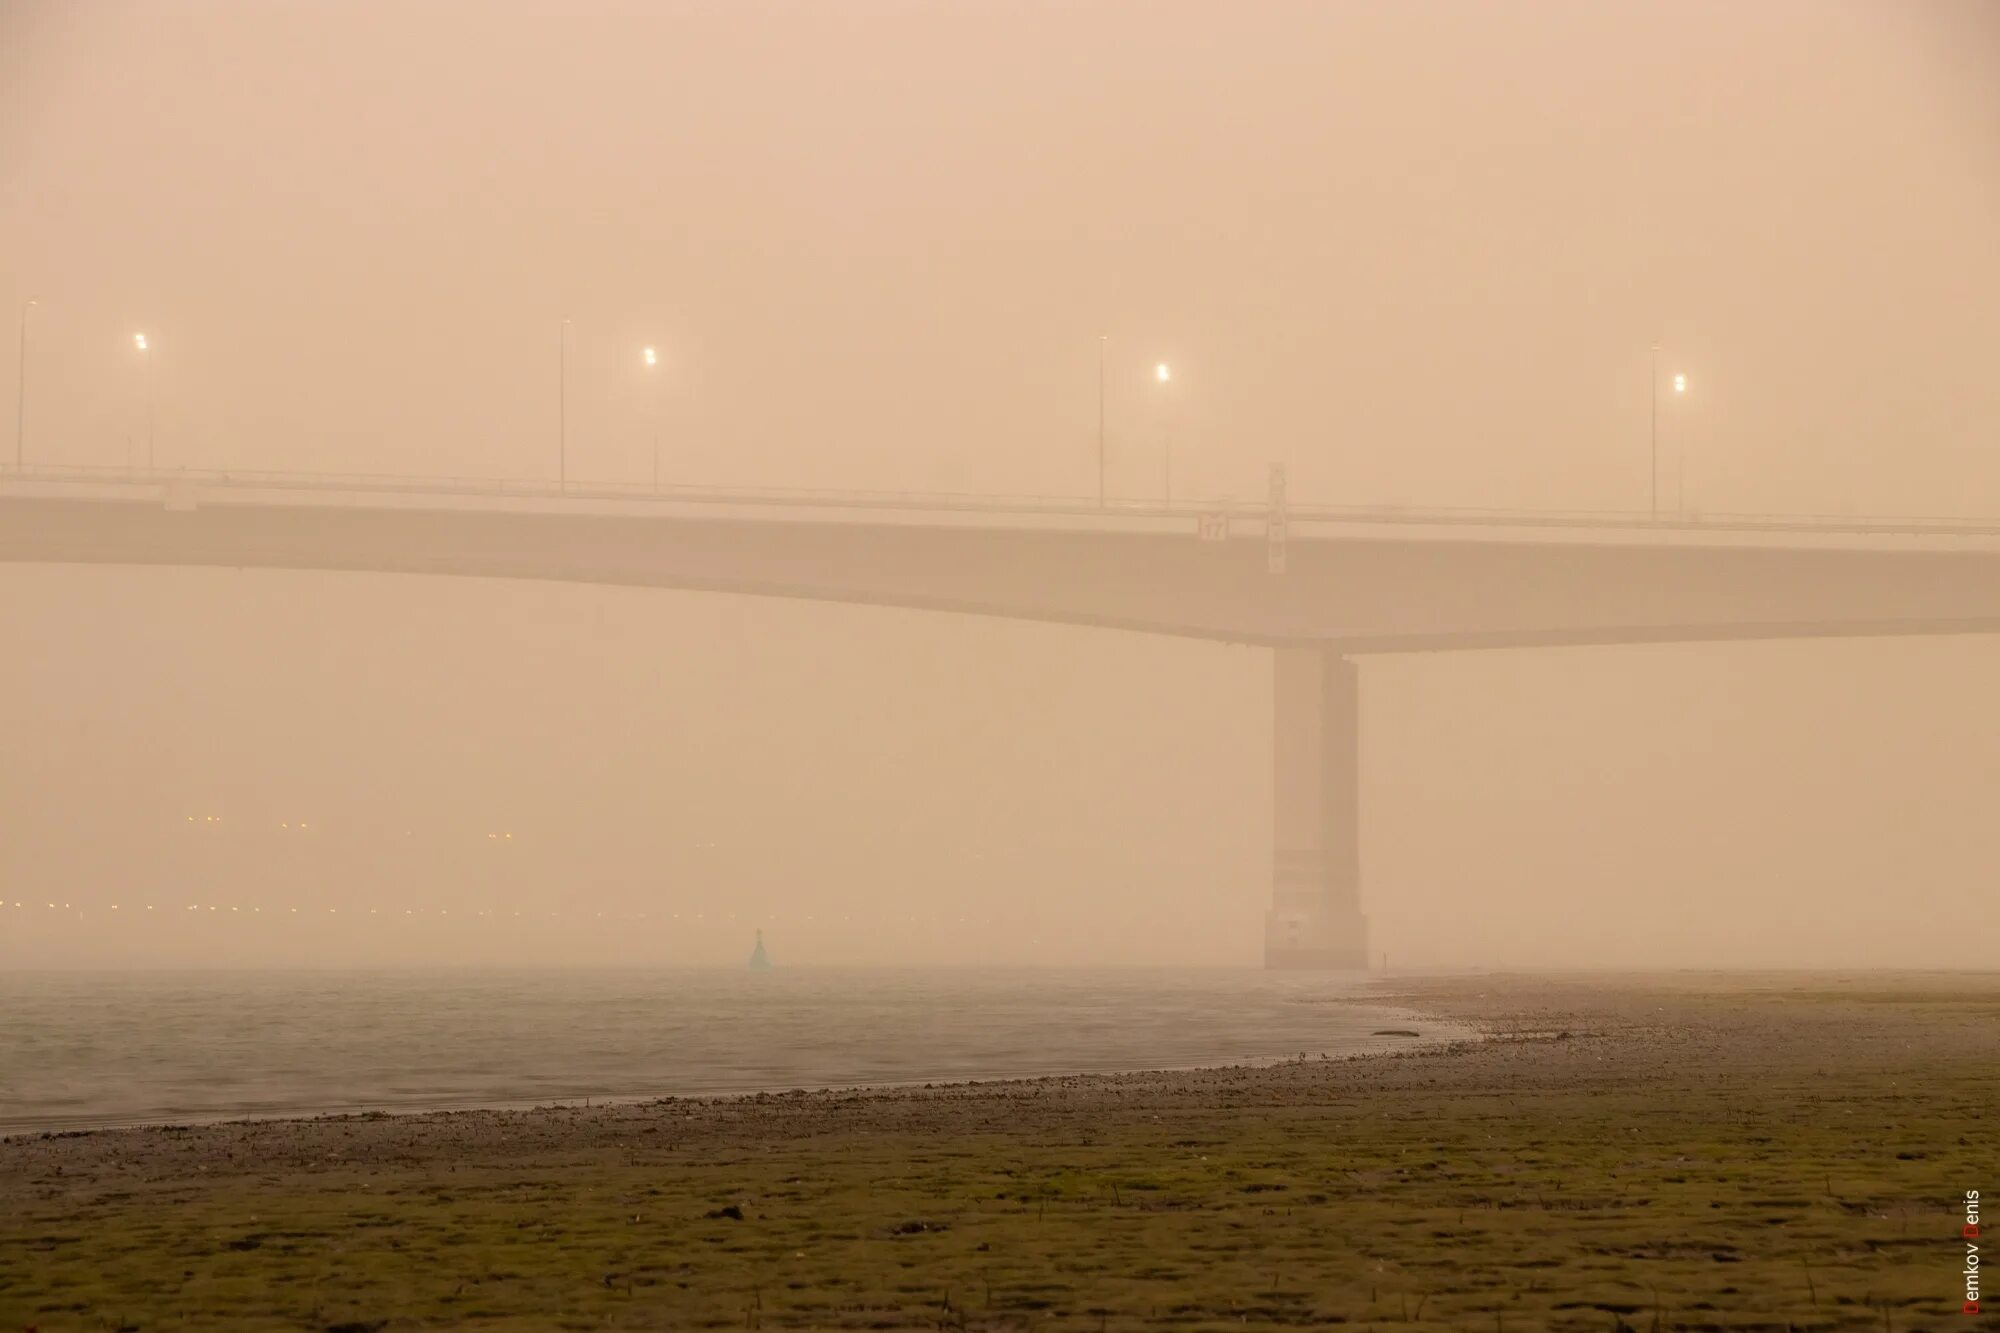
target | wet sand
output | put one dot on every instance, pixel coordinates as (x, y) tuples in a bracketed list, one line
[(1678, 1151)]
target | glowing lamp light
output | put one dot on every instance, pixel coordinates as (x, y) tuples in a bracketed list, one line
[(652, 358), (139, 341), (1161, 373), (1680, 384)]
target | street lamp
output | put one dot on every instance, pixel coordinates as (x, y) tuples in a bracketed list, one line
[(1680, 459), (21, 396), (562, 406), (1163, 374), (1680, 386), (1101, 340), (139, 341), (652, 360)]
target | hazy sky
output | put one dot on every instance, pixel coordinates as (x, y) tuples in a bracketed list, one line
[(1417, 250)]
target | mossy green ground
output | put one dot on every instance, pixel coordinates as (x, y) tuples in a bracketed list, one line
[(1711, 1155)]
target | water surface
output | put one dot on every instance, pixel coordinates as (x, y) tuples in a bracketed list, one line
[(93, 1048)]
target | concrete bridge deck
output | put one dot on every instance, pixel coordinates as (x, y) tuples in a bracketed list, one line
[(1321, 587)]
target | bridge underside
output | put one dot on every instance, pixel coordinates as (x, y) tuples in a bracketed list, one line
[(1336, 600), (1371, 595)]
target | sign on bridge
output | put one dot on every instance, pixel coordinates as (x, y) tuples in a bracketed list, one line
[(1212, 527)]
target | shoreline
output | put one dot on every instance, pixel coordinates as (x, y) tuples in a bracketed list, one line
[(1361, 1000), (1678, 1150), (78, 1128), (1422, 998)]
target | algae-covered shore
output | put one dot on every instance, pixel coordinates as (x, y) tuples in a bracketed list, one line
[(1697, 1151)]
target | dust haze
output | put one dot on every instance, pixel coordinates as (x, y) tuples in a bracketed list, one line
[(1419, 253)]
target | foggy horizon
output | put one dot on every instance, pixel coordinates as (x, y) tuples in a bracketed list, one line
[(1419, 254), (998, 665)]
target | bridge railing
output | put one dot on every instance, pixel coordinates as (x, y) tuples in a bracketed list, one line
[(970, 502)]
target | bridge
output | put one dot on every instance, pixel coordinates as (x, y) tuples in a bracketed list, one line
[(1320, 587)]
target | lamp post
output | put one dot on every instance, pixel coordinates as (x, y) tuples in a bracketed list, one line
[(21, 397), (1101, 340), (1680, 387), (1653, 457), (1163, 375), (652, 360), (1680, 457), (140, 341), (562, 406)]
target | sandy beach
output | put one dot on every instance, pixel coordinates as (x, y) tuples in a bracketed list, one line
[(1679, 1151)]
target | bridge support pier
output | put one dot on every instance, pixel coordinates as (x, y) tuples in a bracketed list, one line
[(1315, 919)]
